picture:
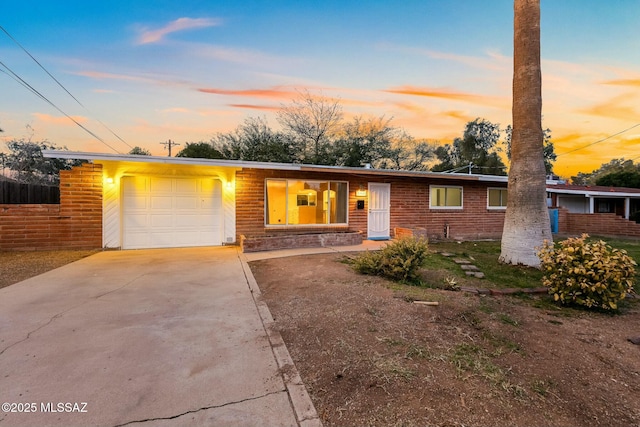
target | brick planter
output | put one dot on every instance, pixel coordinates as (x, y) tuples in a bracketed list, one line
[(418, 232), (293, 241)]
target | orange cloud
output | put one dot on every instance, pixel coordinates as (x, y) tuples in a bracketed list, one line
[(59, 120), (614, 108), (180, 24), (259, 93), (176, 110), (411, 107), (450, 95), (624, 82), (103, 76), (256, 107), (458, 115)]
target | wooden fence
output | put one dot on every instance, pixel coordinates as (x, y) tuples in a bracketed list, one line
[(13, 193)]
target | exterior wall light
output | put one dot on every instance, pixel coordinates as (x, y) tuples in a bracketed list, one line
[(361, 192)]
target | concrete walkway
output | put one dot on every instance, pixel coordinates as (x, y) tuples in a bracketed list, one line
[(151, 337), (367, 245)]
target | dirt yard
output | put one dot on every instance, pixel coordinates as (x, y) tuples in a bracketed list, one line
[(19, 265), (369, 356)]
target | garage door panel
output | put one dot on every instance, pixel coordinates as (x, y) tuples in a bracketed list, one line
[(186, 186), (136, 203), (133, 221), (162, 202), (210, 203), (135, 185), (171, 212), (187, 203), (163, 240), (161, 184), (138, 240), (161, 221)]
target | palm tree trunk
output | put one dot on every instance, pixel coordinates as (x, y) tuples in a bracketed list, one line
[(526, 224)]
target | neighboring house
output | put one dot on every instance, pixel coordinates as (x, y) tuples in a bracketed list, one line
[(155, 202), (624, 202)]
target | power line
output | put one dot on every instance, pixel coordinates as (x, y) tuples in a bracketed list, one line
[(599, 141), (44, 98), (61, 85)]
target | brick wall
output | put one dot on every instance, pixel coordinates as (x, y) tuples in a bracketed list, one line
[(599, 224), (409, 206), (410, 209), (76, 223)]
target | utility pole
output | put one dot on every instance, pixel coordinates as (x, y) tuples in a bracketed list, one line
[(168, 145)]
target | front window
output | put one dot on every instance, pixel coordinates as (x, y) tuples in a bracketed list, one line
[(299, 202), (496, 198), (445, 197)]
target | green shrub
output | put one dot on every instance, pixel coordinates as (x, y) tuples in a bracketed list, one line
[(589, 273), (399, 260)]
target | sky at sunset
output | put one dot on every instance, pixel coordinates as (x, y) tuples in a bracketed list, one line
[(150, 71)]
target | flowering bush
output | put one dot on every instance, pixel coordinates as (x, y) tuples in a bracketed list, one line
[(589, 273)]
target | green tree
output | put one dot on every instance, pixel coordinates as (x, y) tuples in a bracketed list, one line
[(614, 166), (254, 140), (364, 141), (199, 150), (408, 154), (526, 223), (476, 150), (623, 178), (25, 159), (139, 151)]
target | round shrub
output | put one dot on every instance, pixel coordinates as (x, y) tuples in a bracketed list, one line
[(399, 260), (588, 273)]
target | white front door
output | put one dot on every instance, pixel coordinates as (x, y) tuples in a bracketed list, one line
[(379, 211)]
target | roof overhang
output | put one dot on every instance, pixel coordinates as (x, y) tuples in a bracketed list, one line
[(105, 158), (587, 193)]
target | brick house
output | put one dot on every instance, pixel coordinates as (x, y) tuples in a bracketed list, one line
[(131, 202), (624, 202), (596, 210)]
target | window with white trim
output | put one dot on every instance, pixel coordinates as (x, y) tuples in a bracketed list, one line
[(496, 198), (445, 197), (302, 202)]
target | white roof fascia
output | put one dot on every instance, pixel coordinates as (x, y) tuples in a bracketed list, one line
[(592, 193), (79, 155)]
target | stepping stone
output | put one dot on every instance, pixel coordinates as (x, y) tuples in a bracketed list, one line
[(469, 267), (461, 261), (476, 274), (447, 254)]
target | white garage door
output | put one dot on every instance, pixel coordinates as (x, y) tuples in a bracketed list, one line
[(163, 212)]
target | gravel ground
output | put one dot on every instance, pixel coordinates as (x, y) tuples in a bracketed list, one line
[(18, 266)]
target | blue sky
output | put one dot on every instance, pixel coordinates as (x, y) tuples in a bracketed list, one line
[(158, 70)]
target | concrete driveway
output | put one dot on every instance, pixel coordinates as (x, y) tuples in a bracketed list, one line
[(154, 337)]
